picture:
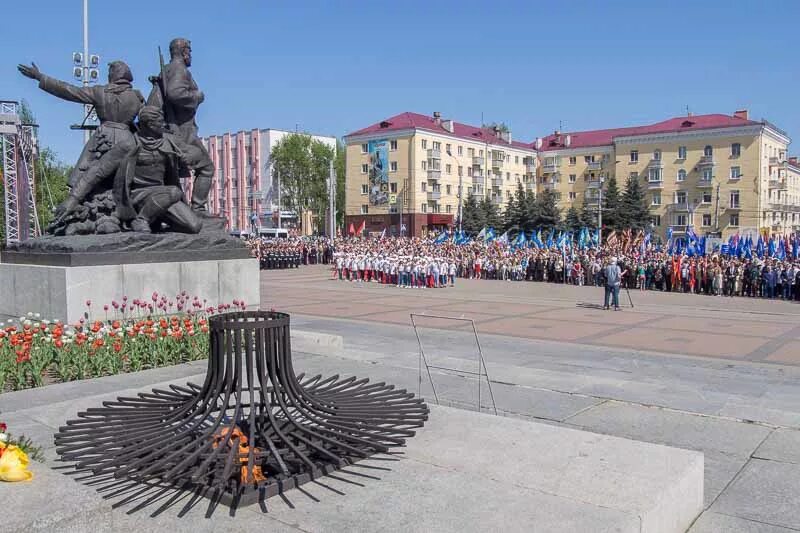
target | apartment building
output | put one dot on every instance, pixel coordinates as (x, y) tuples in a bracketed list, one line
[(243, 179), (718, 173), (405, 174)]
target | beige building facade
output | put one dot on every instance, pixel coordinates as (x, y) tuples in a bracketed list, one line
[(430, 163)]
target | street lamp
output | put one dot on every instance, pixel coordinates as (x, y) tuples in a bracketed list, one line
[(460, 192)]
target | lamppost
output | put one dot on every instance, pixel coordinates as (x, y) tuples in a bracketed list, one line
[(460, 191), (84, 67)]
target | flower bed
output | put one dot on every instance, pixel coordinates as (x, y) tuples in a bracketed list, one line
[(135, 335)]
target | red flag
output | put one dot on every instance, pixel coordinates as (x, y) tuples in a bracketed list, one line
[(362, 227), (352, 230)]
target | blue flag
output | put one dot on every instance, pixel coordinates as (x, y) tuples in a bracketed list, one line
[(489, 235), (760, 247), (441, 238)]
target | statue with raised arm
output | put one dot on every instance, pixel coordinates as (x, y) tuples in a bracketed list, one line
[(178, 95), (115, 103)]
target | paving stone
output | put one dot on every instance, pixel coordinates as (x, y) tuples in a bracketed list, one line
[(782, 445), (765, 491), (719, 523)]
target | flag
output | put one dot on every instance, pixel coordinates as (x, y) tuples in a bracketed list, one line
[(352, 230), (362, 227), (612, 239), (519, 242), (596, 238), (780, 253), (796, 247), (489, 235), (441, 238), (747, 247), (538, 236), (771, 247), (481, 235), (383, 234), (760, 247), (549, 242), (503, 238)]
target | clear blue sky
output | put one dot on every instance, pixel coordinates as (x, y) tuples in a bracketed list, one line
[(333, 67)]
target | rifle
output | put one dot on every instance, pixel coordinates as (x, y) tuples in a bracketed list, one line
[(160, 82)]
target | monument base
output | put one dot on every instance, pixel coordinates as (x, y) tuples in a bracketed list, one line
[(61, 292)]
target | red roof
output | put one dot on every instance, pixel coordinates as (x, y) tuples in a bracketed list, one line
[(583, 139), (408, 120)]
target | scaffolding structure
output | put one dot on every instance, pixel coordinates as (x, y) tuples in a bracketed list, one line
[(20, 148)]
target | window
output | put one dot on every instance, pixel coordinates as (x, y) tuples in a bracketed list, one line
[(736, 173), (656, 198), (364, 168), (448, 168), (681, 175), (655, 220), (735, 199), (448, 208), (424, 144), (424, 165), (588, 158), (634, 156), (572, 178), (516, 160), (460, 150), (680, 220), (393, 166), (680, 197), (734, 221), (654, 175), (364, 148), (471, 152), (706, 220), (393, 145), (706, 197), (393, 187), (736, 150), (364, 188), (573, 195), (708, 151), (573, 160), (437, 145), (634, 175), (423, 208), (448, 189), (460, 170), (508, 176), (508, 195), (657, 155), (364, 209), (708, 174), (424, 186), (448, 149), (681, 152)]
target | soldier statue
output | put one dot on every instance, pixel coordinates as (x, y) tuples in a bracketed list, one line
[(116, 104), (179, 97)]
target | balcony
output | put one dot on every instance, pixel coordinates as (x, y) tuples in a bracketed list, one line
[(775, 161), (655, 184), (679, 229), (530, 186), (594, 184), (530, 167), (497, 163), (497, 199), (497, 182), (434, 175), (594, 165), (656, 163), (477, 179), (705, 184), (678, 206), (434, 196), (549, 168), (552, 185), (778, 184), (706, 161), (477, 161), (477, 191), (434, 153), (773, 206)]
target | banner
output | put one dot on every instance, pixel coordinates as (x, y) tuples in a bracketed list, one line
[(378, 172)]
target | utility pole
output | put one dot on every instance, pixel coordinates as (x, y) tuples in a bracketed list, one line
[(278, 176), (332, 199), (600, 215), (86, 107), (716, 214)]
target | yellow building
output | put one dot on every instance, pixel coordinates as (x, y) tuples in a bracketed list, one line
[(718, 173), (405, 173)]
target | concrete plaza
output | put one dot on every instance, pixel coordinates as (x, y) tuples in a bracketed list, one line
[(717, 375)]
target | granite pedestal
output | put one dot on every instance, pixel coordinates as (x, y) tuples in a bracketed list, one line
[(61, 292)]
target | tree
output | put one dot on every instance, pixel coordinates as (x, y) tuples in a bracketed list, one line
[(502, 126), (634, 206), (572, 220), (491, 213), (303, 164), (549, 216), (514, 216), (588, 216), (611, 206), (472, 217)]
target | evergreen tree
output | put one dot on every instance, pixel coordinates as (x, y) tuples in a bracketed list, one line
[(529, 212), (572, 220), (491, 214), (514, 216), (547, 210), (588, 216), (634, 206), (612, 218), (473, 219)]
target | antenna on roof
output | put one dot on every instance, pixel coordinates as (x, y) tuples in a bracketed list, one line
[(688, 113)]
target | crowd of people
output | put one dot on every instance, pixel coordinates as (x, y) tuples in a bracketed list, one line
[(423, 263), (290, 253)]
